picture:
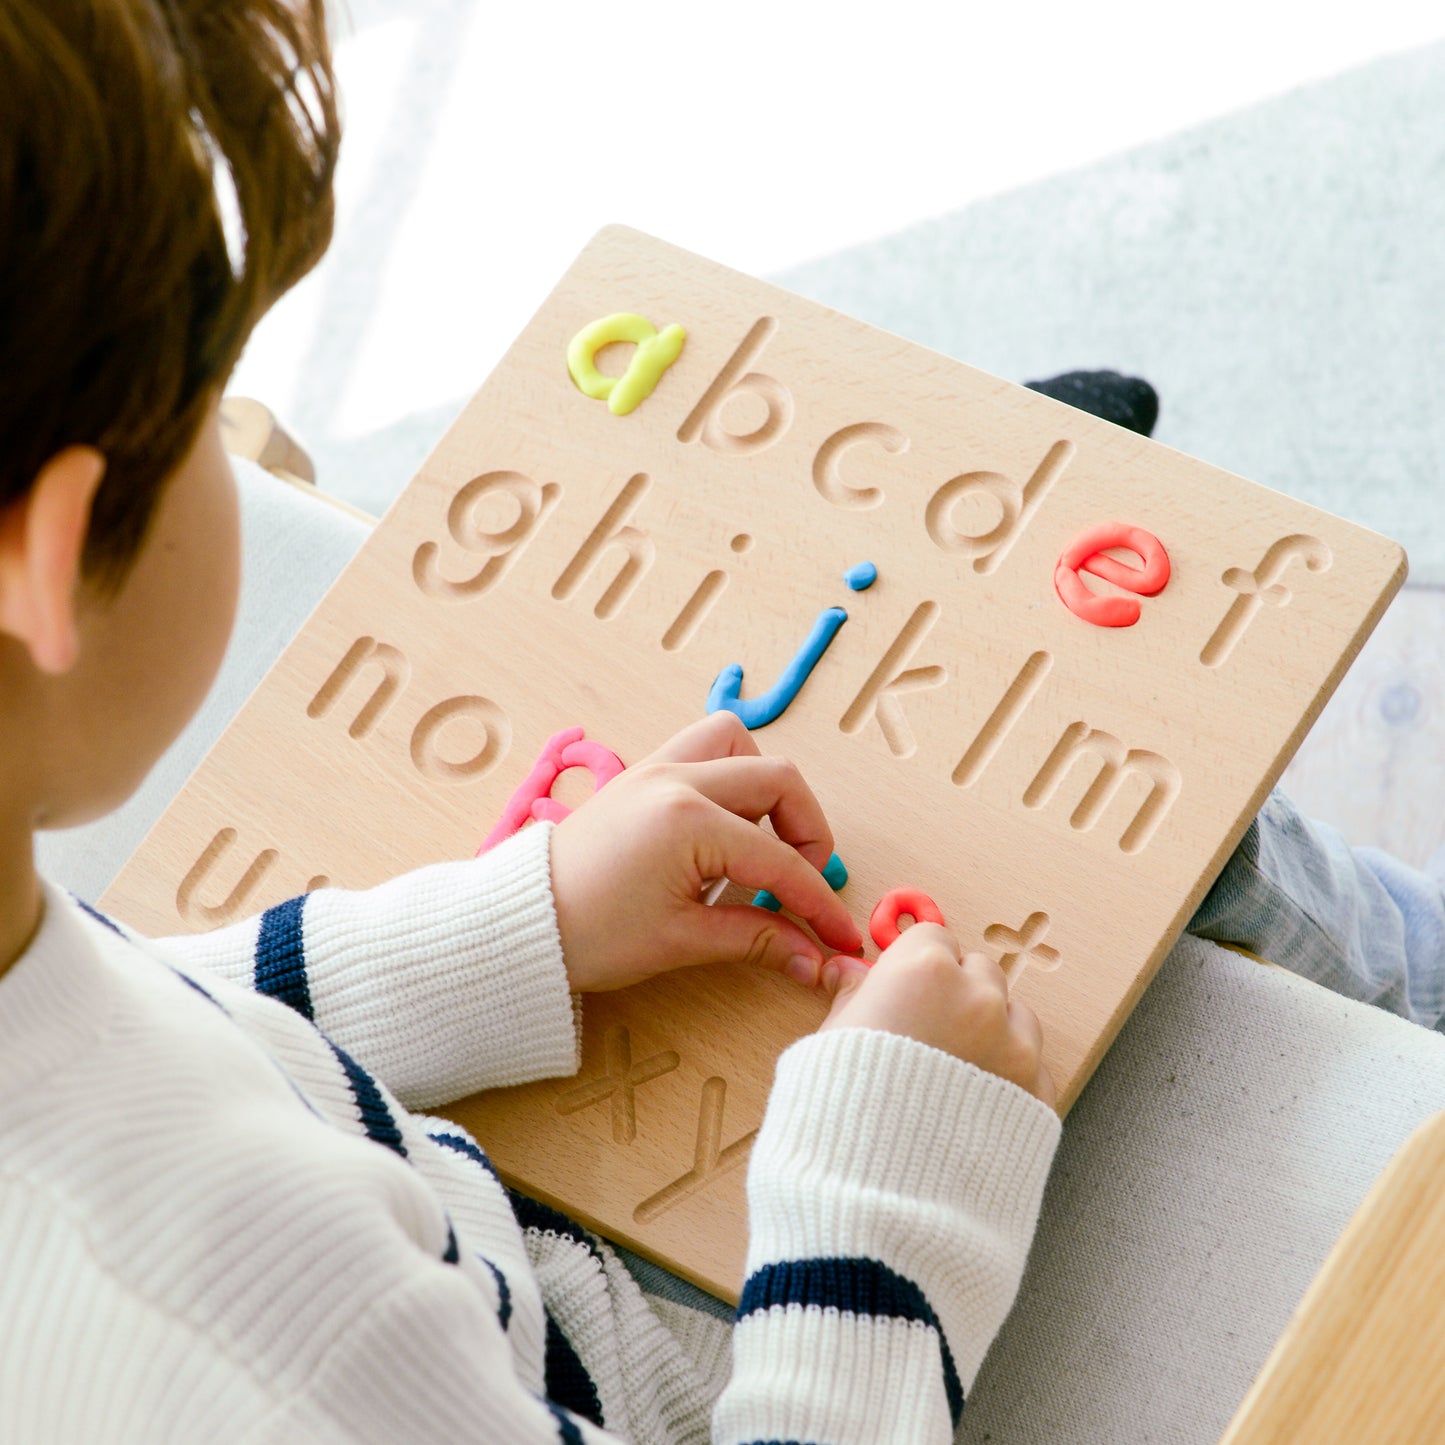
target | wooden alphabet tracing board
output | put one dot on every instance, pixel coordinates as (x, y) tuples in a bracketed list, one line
[(981, 726)]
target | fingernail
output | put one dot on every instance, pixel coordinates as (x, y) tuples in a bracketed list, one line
[(830, 976), (802, 969)]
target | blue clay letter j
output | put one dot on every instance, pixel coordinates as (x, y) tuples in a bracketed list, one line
[(757, 712)]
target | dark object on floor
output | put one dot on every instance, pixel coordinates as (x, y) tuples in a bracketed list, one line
[(1124, 400)]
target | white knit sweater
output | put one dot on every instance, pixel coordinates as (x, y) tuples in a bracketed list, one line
[(217, 1224)]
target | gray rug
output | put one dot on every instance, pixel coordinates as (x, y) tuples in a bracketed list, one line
[(1278, 275)]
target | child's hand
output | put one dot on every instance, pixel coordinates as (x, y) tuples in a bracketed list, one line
[(629, 866), (921, 988)]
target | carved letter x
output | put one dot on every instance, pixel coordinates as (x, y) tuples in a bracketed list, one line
[(618, 1083), (1025, 948)]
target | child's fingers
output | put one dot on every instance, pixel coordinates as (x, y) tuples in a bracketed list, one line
[(1024, 1024), (1025, 1027), (985, 974), (918, 943), (841, 978), (757, 787), (719, 735), (842, 975), (736, 931), (753, 858)]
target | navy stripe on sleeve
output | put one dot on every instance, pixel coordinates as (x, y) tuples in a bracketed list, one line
[(567, 1431), (205, 993), (504, 1292), (281, 957), (568, 1383), (851, 1286), (465, 1147), (99, 917), (210, 998), (546, 1220), (375, 1116)]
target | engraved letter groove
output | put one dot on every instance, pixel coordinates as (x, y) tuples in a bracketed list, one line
[(501, 548), (234, 904), (827, 475), (619, 1084), (704, 422), (890, 680), (395, 673), (1261, 586), (1115, 765), (1024, 949), (611, 532), (496, 729), (1016, 507), (1003, 719), (710, 1159)]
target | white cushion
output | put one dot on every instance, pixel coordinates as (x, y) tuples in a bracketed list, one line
[(1205, 1172)]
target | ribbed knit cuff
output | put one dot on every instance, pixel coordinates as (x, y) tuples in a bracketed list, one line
[(449, 979), (876, 1146)]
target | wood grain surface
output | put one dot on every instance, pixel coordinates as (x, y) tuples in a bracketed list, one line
[(1064, 791), (1360, 1359)]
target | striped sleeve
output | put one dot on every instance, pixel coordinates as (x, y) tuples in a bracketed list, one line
[(893, 1193), (443, 982)]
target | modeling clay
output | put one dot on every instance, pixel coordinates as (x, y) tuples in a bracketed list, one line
[(603, 764), (654, 354), (883, 925), (533, 798), (759, 711), (861, 577), (833, 871), (1086, 553)]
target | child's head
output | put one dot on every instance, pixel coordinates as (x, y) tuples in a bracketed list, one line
[(165, 174)]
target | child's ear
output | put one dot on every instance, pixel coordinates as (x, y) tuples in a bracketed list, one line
[(42, 537)]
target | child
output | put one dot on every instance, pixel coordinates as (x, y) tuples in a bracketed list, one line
[(222, 1215)]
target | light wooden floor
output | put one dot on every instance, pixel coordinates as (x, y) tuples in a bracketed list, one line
[(1374, 764)]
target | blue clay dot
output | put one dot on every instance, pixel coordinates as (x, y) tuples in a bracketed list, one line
[(764, 899), (861, 577), (836, 873)]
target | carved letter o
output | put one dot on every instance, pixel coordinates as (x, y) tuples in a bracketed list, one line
[(426, 752)]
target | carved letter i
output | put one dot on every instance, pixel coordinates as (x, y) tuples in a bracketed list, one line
[(694, 611)]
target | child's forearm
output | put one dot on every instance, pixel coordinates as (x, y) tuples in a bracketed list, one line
[(444, 981), (893, 1193)]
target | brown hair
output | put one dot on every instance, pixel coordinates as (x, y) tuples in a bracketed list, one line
[(123, 124)]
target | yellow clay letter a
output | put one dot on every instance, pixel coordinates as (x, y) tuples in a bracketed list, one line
[(654, 354)]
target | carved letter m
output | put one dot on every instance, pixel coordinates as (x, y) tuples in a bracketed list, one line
[(1115, 765)]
